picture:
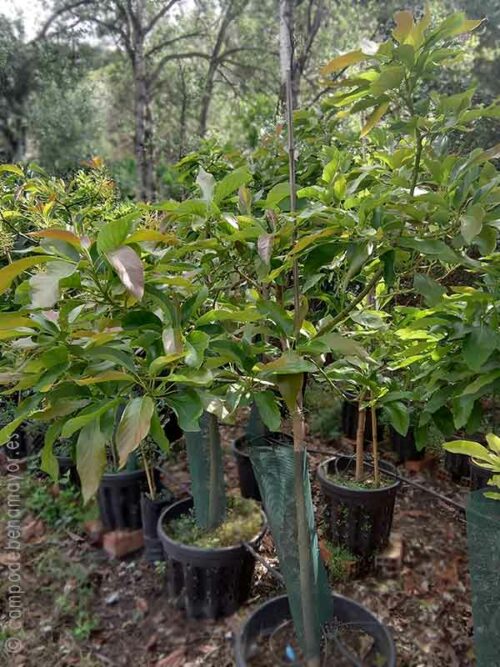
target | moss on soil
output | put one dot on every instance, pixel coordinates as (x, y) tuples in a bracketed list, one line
[(242, 523), (367, 484)]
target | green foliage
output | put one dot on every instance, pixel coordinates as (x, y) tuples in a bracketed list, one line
[(487, 457), (60, 508)]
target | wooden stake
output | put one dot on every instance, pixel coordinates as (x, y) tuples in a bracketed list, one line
[(360, 439)]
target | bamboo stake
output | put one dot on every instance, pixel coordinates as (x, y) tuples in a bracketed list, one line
[(309, 613), (376, 470)]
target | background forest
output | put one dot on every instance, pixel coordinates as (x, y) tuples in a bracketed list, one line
[(142, 83)]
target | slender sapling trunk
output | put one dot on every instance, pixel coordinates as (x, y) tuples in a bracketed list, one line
[(360, 438)]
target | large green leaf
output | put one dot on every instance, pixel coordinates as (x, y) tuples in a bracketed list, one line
[(276, 314), (333, 342), (118, 357), (134, 426), (231, 183), (470, 448), (196, 345), (471, 223), (49, 463), (188, 407), (7, 431), (88, 415), (398, 415), (431, 290), (158, 434), (268, 409), (289, 362), (479, 345), (90, 458), (113, 234), (11, 271)]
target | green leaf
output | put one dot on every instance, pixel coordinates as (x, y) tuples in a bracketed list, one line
[(11, 271), (196, 345), (462, 409), (231, 183), (431, 247), (398, 415), (12, 169), (172, 341), (134, 426), (268, 409), (343, 61), (478, 346), (276, 194), (249, 314), (276, 314), (390, 77), (113, 234), (374, 118), (494, 442), (469, 448), (112, 354), (288, 363), (332, 342), (471, 223), (49, 463), (15, 320), (158, 434), (90, 458), (404, 26), (127, 264), (87, 416), (8, 430), (480, 382), (188, 407), (290, 386), (161, 363), (431, 290)]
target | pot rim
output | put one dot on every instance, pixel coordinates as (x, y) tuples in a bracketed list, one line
[(200, 551), (325, 480), (235, 444), (275, 601), (124, 474)]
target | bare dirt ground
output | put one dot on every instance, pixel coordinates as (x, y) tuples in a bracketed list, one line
[(81, 608)]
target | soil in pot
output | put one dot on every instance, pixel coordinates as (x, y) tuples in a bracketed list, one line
[(268, 638), (359, 513), (150, 511), (248, 483), (209, 574)]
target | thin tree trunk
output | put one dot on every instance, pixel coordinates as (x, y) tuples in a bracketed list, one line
[(360, 439), (183, 114), (207, 99), (376, 470)]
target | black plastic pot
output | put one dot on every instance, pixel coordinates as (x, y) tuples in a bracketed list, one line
[(67, 465), (404, 446), (206, 583), (479, 476), (119, 499), (171, 427), (248, 482), (272, 614), (151, 510), (359, 519), (457, 465)]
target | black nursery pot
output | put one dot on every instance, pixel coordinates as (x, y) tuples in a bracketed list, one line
[(67, 465), (457, 465), (359, 519), (151, 510), (268, 617), (479, 477), (206, 583), (249, 486), (404, 446), (119, 499)]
